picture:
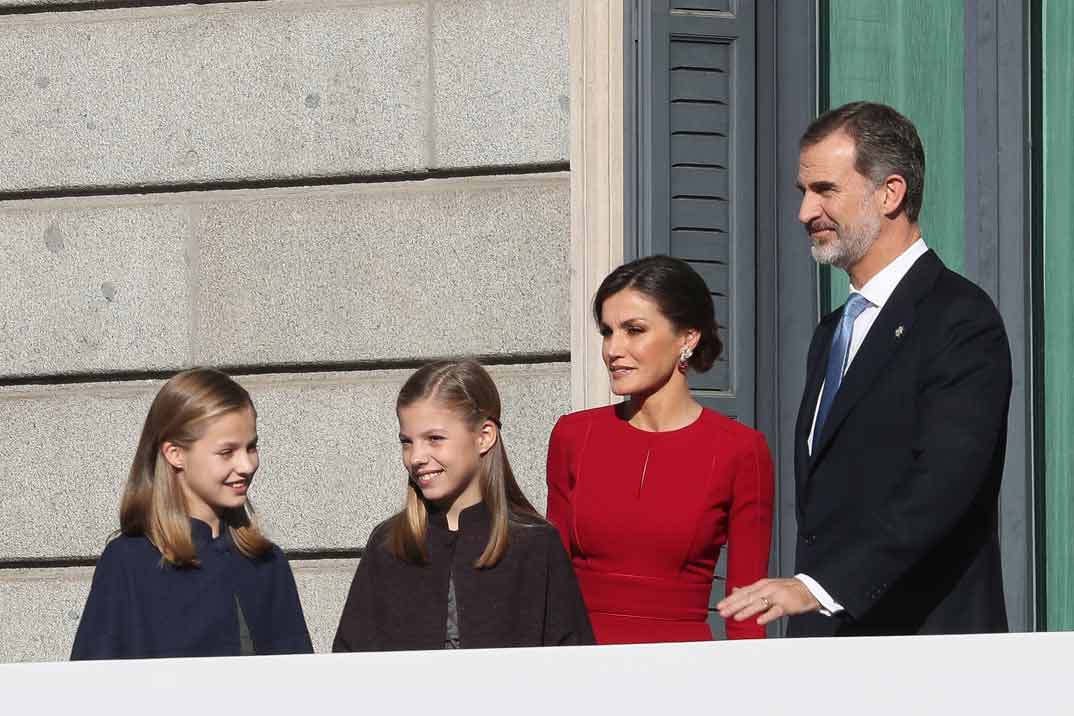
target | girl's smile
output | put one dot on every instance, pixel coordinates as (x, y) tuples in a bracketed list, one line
[(441, 453), (216, 470)]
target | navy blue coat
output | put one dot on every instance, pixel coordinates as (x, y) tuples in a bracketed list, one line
[(138, 608)]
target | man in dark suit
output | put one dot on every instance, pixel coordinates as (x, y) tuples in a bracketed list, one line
[(902, 430)]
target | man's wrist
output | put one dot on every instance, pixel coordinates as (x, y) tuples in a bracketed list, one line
[(828, 605)]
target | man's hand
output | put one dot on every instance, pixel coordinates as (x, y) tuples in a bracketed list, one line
[(771, 598)]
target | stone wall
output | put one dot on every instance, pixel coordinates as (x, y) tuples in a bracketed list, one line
[(316, 196)]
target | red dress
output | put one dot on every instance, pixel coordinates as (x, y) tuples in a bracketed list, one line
[(643, 516)]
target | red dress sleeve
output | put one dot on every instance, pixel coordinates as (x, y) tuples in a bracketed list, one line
[(749, 533), (557, 474)]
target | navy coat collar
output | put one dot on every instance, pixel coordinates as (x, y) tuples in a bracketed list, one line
[(202, 535)]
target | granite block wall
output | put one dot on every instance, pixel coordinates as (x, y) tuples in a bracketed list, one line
[(314, 195)]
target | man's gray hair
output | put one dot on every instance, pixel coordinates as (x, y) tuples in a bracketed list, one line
[(885, 143)]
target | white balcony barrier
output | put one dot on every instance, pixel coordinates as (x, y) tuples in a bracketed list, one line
[(1012, 675)]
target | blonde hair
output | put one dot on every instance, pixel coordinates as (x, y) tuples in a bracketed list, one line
[(153, 504), (465, 388)]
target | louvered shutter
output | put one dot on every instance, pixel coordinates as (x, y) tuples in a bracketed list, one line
[(697, 176), (697, 169)]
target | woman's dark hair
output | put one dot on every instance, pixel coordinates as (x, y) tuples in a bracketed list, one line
[(681, 295)]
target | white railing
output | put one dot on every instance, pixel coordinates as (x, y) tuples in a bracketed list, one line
[(1012, 675)]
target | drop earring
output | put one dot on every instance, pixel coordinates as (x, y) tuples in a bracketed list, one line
[(684, 359)]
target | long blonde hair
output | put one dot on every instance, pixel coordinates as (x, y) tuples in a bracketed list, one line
[(465, 388), (153, 504)]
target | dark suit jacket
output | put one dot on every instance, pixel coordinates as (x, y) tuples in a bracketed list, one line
[(897, 505)]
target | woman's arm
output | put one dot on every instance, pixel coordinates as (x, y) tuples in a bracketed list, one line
[(749, 533)]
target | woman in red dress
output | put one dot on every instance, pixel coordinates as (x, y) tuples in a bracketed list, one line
[(646, 493)]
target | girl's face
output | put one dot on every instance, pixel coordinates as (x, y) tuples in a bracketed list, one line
[(442, 454), (216, 470), (641, 346)]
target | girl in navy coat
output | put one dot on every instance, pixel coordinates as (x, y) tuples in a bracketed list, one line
[(189, 573)]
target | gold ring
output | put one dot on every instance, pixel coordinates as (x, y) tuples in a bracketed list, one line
[(765, 603)]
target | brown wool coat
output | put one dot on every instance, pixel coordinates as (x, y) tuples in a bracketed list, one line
[(529, 598)]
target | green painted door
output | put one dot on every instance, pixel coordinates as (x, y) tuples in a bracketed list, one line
[(909, 54), (1057, 209)]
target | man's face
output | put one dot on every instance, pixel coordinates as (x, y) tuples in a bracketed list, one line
[(839, 207)]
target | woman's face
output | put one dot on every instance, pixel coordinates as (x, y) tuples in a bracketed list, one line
[(216, 470), (641, 346), (442, 454)]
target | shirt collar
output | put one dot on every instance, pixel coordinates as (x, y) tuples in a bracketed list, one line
[(879, 288)]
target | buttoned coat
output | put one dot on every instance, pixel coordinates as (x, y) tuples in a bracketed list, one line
[(897, 504)]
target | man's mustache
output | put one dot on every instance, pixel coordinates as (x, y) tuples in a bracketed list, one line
[(816, 226)]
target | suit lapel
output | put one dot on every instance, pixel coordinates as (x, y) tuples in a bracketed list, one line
[(886, 336), (816, 365)]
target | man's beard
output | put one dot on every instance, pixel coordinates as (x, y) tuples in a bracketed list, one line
[(850, 244)]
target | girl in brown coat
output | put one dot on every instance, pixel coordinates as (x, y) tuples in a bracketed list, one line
[(468, 563)]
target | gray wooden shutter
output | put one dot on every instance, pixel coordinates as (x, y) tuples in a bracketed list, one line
[(696, 177), (696, 170)]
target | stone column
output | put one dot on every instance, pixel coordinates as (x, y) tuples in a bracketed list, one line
[(596, 153)]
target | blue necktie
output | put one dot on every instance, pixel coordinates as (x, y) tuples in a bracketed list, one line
[(837, 359)]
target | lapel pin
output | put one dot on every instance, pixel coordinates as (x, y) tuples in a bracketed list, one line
[(899, 331)]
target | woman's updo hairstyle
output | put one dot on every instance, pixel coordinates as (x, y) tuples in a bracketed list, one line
[(679, 292)]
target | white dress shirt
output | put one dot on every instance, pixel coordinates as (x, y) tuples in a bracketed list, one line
[(877, 291)]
